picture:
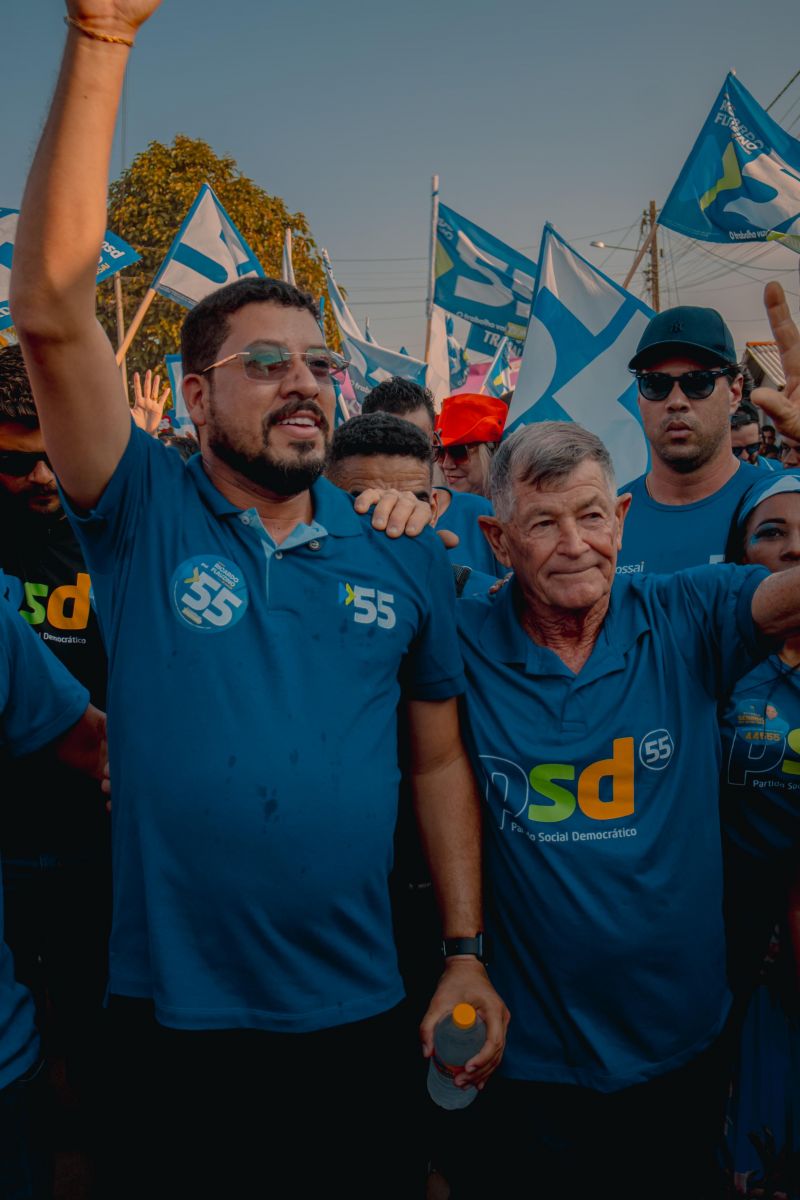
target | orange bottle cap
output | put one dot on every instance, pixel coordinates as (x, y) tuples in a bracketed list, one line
[(464, 1016)]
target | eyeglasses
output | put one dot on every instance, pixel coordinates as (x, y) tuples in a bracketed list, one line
[(269, 363), (753, 448), (456, 453), (21, 462), (695, 385)]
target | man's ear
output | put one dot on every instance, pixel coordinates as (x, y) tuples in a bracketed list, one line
[(495, 534), (621, 507), (195, 394)]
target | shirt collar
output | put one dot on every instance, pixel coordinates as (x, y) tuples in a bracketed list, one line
[(333, 508), (504, 639)]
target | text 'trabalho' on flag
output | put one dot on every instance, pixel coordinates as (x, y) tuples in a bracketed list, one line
[(114, 255), (741, 182), (480, 278), (208, 252), (583, 331)]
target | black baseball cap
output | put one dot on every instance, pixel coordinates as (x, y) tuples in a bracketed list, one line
[(686, 328)]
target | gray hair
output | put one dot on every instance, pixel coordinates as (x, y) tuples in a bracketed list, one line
[(543, 453)]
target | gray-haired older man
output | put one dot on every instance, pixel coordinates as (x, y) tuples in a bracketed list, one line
[(592, 722)]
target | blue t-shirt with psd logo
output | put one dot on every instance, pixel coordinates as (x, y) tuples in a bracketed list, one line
[(39, 701), (760, 781), (253, 695), (662, 538), (602, 833)]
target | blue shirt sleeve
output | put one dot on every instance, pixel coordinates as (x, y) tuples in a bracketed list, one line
[(710, 610), (432, 668), (40, 699)]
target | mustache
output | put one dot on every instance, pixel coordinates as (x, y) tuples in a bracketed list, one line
[(296, 406)]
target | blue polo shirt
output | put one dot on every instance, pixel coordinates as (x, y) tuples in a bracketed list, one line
[(664, 538), (760, 726), (602, 834), (39, 700), (461, 518), (252, 845)]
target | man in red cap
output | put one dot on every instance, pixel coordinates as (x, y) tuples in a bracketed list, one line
[(467, 431)]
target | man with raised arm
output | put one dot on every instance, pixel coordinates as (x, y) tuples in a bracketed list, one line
[(248, 605)]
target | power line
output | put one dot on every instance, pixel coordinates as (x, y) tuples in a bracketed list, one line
[(783, 89)]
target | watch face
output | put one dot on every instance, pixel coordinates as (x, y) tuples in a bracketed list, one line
[(466, 945)]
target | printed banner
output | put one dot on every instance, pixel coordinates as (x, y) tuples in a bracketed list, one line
[(741, 182), (583, 332), (208, 252), (486, 341), (480, 278), (114, 256)]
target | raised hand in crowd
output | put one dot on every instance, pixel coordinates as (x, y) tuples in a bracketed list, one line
[(782, 407), (148, 401)]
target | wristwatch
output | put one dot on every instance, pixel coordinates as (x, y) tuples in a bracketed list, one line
[(464, 945)]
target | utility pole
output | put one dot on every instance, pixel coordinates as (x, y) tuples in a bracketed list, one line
[(654, 291), (648, 224)]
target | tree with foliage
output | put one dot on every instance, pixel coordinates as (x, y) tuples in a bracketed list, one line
[(147, 205)]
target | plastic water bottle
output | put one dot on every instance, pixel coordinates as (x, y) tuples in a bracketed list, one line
[(456, 1038)]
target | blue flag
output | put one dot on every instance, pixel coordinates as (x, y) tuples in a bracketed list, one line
[(480, 278), (487, 342), (457, 358), (179, 415), (583, 332), (741, 182), (208, 252), (498, 377), (114, 255)]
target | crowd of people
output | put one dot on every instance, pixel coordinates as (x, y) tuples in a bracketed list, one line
[(402, 714)]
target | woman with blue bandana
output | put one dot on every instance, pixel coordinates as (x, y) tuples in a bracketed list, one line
[(760, 728)]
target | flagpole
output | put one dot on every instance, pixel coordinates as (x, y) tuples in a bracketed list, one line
[(133, 328), (123, 366), (432, 260)]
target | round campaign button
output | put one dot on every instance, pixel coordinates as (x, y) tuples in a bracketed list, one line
[(209, 593)]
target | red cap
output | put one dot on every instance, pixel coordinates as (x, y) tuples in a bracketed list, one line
[(470, 417)]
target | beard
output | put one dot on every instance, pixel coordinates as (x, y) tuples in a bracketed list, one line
[(287, 475)]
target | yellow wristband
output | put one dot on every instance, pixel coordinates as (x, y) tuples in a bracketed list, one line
[(97, 37)]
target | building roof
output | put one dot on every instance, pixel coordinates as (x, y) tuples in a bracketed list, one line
[(765, 355)]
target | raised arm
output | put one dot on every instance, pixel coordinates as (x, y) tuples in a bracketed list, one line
[(448, 815), (82, 407)]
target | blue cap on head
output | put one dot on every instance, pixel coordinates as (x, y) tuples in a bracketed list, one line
[(685, 328)]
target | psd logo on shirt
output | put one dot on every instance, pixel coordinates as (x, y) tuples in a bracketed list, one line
[(209, 593), (368, 605), (550, 792)]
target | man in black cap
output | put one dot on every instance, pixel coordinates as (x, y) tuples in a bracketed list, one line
[(689, 385)]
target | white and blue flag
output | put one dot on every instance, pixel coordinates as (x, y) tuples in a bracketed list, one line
[(457, 358), (114, 255), (370, 364), (584, 330), (208, 252), (179, 415), (741, 182), (498, 376), (480, 278)]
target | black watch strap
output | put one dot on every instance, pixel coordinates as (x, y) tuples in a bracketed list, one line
[(463, 945)]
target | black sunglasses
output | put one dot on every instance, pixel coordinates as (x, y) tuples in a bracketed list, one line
[(21, 462), (456, 453), (751, 449), (695, 385)]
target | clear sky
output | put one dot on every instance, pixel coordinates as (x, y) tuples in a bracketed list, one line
[(529, 110)]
